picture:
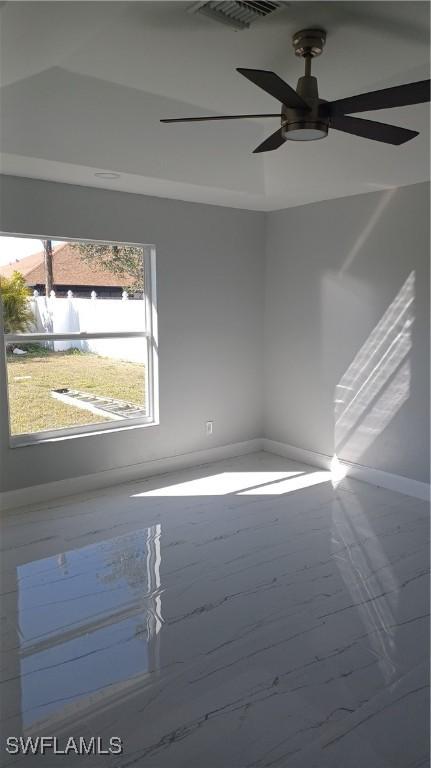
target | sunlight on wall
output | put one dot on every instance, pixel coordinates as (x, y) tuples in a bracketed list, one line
[(365, 234), (218, 485), (338, 470), (377, 382)]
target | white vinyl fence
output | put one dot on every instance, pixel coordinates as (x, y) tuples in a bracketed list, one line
[(93, 315)]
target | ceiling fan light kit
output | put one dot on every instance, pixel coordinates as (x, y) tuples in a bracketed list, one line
[(305, 116)]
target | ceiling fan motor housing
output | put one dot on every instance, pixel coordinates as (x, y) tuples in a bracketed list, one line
[(300, 125), (309, 42)]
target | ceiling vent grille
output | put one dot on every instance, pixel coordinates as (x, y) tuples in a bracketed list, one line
[(238, 14)]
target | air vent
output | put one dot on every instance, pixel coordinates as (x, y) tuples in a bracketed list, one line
[(239, 14)]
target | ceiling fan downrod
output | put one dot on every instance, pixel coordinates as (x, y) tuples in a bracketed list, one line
[(310, 124)]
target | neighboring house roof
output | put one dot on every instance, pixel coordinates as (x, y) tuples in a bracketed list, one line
[(68, 268)]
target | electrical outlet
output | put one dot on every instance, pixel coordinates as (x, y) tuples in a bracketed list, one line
[(209, 427)]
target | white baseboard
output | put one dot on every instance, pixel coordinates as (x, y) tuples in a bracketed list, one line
[(312, 458), (73, 486), (38, 494), (377, 477)]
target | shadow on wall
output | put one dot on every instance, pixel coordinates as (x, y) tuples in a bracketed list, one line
[(377, 382)]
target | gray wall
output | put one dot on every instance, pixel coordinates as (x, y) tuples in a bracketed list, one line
[(340, 307), (210, 300), (335, 272)]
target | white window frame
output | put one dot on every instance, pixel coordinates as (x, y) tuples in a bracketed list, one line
[(150, 334)]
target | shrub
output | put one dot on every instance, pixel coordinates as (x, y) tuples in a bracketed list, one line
[(17, 314), (74, 351)]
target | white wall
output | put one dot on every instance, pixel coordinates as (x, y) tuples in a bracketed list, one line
[(339, 281), (210, 298), (347, 303)]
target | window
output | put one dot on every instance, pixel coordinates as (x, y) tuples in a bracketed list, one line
[(80, 336)]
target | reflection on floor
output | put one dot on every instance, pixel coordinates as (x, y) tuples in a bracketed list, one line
[(244, 614)]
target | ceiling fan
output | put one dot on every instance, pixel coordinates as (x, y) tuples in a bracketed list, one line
[(306, 117)]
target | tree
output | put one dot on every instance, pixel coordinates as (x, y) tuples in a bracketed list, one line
[(125, 261), (49, 280), (17, 314)]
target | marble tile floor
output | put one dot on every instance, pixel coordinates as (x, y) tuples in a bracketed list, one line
[(243, 614)]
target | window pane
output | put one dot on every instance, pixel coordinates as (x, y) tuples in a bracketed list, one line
[(95, 287), (69, 383)]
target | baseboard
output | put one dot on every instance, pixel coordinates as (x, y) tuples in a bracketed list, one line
[(297, 454), (37, 494), (377, 477)]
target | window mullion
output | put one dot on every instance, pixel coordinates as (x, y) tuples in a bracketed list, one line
[(14, 338)]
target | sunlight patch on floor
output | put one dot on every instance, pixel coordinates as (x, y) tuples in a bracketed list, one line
[(292, 484), (220, 484)]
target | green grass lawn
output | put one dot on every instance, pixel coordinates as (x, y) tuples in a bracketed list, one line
[(32, 377)]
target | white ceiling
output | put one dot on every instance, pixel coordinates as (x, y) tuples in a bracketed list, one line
[(85, 84)]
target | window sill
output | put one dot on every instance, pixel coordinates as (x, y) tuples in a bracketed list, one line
[(38, 438)]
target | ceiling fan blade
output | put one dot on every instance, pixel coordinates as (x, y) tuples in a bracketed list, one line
[(399, 96), (215, 117), (369, 129), (275, 86), (272, 142)]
